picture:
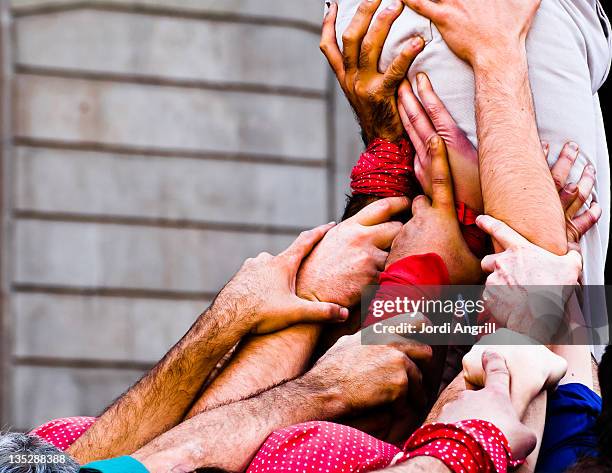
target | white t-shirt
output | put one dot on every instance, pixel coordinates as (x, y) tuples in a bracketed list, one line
[(569, 51)]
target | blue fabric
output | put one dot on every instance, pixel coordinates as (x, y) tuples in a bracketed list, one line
[(569, 434), (115, 465)]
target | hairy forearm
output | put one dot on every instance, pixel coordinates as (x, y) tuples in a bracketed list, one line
[(160, 400), (256, 366), (517, 186), (228, 437)]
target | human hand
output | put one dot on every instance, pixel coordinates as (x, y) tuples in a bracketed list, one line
[(352, 254), (263, 291), (422, 119), (528, 286), (574, 195), (546, 368), (365, 376), (434, 227), (478, 31), (373, 95), (492, 404)]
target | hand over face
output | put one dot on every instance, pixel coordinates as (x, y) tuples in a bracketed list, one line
[(434, 227), (366, 376), (427, 117), (352, 254), (371, 94), (474, 29), (493, 404), (263, 292)]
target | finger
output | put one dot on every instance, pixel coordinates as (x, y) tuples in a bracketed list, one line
[(568, 194), (441, 181), (497, 375), (488, 263), (586, 220), (304, 243), (317, 312), (416, 114), (416, 390), (382, 210), (437, 112), (383, 234), (415, 139), (329, 44), (427, 8), (420, 203), (355, 32), (561, 169), (374, 39), (585, 187), (502, 233), (575, 257), (398, 69)]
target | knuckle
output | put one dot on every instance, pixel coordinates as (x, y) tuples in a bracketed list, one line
[(349, 36)]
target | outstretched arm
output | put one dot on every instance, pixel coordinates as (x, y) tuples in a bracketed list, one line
[(516, 185), (259, 299)]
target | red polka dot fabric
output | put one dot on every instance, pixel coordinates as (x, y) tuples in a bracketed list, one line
[(62, 433), (472, 446), (385, 169), (322, 447)]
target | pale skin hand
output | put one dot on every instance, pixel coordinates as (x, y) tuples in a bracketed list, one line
[(260, 298), (372, 94), (348, 378), (434, 227), (347, 259), (515, 180), (428, 116), (493, 404)]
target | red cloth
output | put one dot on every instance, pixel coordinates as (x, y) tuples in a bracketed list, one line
[(62, 433), (406, 278), (322, 447), (472, 446), (385, 169), (334, 448)]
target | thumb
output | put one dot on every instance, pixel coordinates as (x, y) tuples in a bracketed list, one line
[(317, 312), (304, 244)]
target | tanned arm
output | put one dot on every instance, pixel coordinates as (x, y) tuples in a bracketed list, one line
[(259, 299), (348, 378), (516, 184), (372, 96)]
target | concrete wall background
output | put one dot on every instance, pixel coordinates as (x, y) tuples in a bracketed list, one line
[(152, 146)]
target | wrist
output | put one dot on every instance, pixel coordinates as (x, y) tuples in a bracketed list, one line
[(325, 397), (507, 57)]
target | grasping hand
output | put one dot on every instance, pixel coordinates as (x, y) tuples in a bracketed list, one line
[(429, 116), (366, 376), (373, 95), (352, 254), (493, 404), (574, 195), (478, 31), (263, 291), (434, 227)]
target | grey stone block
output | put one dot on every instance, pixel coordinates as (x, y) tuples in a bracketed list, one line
[(169, 117), (174, 48), (173, 188)]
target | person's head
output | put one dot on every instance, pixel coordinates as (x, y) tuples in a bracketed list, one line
[(23, 453)]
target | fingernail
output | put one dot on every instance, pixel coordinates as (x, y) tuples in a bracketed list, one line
[(394, 5), (344, 313), (332, 223), (416, 42), (434, 142), (421, 77), (591, 168), (571, 188), (573, 146)]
